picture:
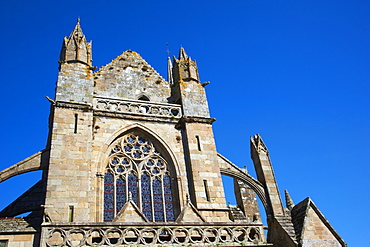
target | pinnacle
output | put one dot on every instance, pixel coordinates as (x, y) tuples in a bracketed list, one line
[(77, 31), (182, 54), (288, 200)]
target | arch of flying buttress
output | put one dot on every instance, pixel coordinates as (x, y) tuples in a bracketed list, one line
[(38, 161), (230, 169)]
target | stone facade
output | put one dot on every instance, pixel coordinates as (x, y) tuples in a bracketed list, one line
[(131, 160)]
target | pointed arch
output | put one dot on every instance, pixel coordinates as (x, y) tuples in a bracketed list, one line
[(144, 168)]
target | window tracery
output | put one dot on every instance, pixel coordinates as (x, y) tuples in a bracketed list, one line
[(136, 167)]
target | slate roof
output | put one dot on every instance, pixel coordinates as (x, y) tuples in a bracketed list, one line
[(28, 224)]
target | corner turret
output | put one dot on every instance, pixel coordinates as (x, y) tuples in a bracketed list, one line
[(75, 81), (187, 89), (185, 69)]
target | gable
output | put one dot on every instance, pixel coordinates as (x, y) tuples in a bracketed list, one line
[(189, 214), (130, 213), (311, 226), (315, 232), (130, 77)]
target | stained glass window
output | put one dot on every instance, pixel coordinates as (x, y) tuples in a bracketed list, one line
[(135, 163)]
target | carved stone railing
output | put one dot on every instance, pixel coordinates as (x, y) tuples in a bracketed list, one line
[(137, 107), (154, 234)]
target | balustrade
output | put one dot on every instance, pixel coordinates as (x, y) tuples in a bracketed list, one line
[(77, 235), (138, 107)]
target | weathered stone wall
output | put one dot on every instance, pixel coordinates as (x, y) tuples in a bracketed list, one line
[(75, 83), (18, 240), (247, 200), (131, 77), (207, 188), (19, 231), (69, 176), (278, 235)]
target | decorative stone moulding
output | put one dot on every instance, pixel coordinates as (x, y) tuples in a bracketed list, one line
[(77, 235), (137, 107)]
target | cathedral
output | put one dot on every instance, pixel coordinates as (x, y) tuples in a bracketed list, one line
[(131, 160)]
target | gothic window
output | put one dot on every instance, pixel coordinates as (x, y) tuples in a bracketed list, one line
[(137, 169)]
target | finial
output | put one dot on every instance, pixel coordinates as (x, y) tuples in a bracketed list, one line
[(167, 50), (78, 20), (187, 198), (288, 200), (129, 196)]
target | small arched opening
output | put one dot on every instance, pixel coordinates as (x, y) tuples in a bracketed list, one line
[(143, 98)]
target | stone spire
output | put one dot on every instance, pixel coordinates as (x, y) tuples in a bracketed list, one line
[(288, 200), (169, 70), (76, 49)]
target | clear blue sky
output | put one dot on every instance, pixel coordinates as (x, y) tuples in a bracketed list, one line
[(297, 72)]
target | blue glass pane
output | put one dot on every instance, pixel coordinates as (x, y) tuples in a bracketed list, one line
[(155, 171), (137, 146), (136, 154), (167, 189), (158, 215), (150, 163), (108, 197), (130, 139), (115, 161), (145, 197), (120, 169), (141, 140), (108, 179), (146, 149), (157, 186), (108, 215), (132, 187), (127, 148), (120, 194), (170, 216), (157, 200), (168, 198), (116, 148)]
